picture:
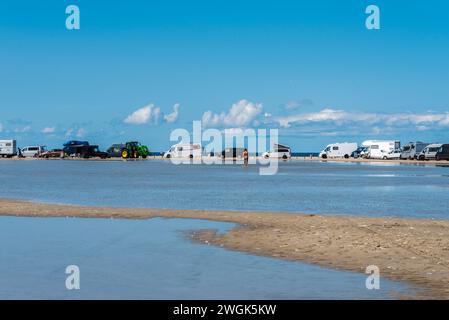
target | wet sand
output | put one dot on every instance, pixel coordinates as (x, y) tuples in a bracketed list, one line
[(350, 160), (411, 250)]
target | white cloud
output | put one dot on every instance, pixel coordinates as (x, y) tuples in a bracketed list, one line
[(340, 117), (241, 114), (48, 130), (69, 132), (81, 133), (144, 115), (172, 117), (22, 129)]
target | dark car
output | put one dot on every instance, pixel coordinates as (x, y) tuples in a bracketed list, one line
[(115, 151), (94, 151), (232, 153), (443, 153), (357, 153)]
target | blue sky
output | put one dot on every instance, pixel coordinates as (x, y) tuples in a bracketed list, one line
[(309, 68)]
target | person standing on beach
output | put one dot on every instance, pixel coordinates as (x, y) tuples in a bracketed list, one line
[(245, 157)]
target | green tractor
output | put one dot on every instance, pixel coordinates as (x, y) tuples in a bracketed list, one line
[(134, 150)]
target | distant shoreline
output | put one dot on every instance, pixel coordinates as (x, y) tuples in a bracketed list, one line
[(411, 250), (311, 159)]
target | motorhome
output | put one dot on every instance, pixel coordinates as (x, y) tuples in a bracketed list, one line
[(338, 150), (379, 149), (33, 151), (429, 152), (8, 148), (279, 151), (184, 150), (413, 149)]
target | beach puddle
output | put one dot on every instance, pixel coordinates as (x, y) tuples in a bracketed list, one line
[(152, 259)]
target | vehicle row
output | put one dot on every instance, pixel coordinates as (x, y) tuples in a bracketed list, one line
[(387, 150)]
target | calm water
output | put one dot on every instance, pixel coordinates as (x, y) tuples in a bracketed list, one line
[(151, 259), (313, 187)]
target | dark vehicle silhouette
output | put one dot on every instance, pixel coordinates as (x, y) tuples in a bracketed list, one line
[(443, 152)]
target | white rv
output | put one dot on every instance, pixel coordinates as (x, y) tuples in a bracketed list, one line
[(184, 150), (8, 148), (338, 150), (279, 151), (379, 149)]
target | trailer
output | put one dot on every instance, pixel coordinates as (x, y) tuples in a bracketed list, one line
[(8, 148)]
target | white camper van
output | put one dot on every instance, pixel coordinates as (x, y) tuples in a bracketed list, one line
[(279, 151), (184, 150), (338, 150), (8, 148), (33, 151), (379, 149), (413, 149), (429, 152)]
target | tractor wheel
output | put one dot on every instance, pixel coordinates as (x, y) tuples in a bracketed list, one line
[(125, 154)]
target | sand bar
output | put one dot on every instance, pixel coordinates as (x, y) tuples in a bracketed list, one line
[(304, 159), (411, 250)]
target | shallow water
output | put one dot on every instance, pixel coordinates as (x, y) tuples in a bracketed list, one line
[(151, 259), (313, 187)]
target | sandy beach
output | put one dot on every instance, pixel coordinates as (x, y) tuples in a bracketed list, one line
[(412, 250)]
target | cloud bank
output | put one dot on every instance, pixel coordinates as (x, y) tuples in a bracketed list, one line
[(172, 117), (421, 121), (144, 115), (241, 114)]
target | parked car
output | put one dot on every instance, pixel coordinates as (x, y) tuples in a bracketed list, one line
[(32, 151), (393, 155), (233, 153), (429, 152), (338, 150), (54, 153), (279, 151), (93, 151), (443, 152), (115, 151), (8, 148), (359, 153)]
